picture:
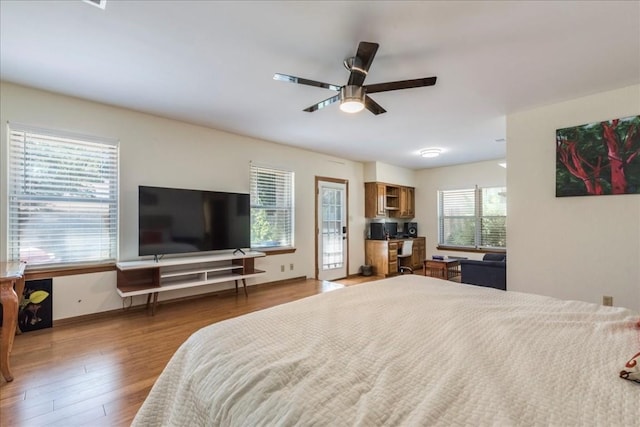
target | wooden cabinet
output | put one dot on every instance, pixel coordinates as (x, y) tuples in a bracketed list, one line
[(393, 258), (375, 199), (382, 255), (407, 203), (386, 200), (419, 252)]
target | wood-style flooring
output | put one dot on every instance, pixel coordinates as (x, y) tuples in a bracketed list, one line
[(98, 371)]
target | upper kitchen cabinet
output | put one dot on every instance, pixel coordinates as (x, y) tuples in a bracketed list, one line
[(387, 200), (407, 204)]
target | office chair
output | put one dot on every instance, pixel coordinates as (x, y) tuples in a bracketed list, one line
[(405, 252)]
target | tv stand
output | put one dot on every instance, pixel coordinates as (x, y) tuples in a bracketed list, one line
[(239, 250), (150, 277)]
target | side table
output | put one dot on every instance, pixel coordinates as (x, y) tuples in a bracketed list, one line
[(442, 268), (11, 275)]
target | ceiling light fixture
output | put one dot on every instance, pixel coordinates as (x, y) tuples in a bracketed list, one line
[(430, 152), (102, 4), (352, 98)]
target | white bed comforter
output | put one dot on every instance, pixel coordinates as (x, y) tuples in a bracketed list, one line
[(410, 350)]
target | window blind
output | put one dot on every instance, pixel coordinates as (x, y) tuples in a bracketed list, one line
[(472, 218), (272, 207), (63, 197), (457, 221)]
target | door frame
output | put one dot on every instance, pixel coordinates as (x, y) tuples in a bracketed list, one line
[(316, 226)]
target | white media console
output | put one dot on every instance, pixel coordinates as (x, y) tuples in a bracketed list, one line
[(151, 277)]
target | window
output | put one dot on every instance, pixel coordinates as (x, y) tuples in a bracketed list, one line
[(63, 204), (271, 207), (473, 218)]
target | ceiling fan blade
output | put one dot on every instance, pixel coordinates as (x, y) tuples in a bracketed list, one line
[(402, 84), (300, 80), (362, 62), (373, 106), (323, 104)]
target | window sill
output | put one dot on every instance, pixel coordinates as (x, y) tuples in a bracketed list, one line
[(275, 251), (475, 250), (44, 272)]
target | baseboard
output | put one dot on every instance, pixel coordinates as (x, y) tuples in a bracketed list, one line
[(110, 313)]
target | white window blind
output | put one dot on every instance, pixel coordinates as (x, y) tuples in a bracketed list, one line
[(272, 207), (473, 218), (63, 197)]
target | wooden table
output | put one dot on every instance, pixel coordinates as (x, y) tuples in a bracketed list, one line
[(442, 268), (11, 275)]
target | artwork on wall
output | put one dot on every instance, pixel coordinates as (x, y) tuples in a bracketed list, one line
[(599, 158)]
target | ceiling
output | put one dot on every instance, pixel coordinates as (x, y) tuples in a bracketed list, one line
[(212, 63)]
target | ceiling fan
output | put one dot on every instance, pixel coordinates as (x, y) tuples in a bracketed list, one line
[(353, 96)]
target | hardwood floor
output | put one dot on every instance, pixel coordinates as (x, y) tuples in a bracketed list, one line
[(99, 372)]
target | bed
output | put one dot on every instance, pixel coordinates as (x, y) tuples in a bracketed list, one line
[(409, 350)]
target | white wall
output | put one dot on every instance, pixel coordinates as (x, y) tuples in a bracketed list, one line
[(369, 171), (163, 152), (571, 247), (390, 174), (429, 181)]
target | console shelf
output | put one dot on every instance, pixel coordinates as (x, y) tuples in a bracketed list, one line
[(151, 277)]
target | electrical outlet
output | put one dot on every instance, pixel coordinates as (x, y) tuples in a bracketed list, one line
[(291, 266), (607, 300), (282, 268)]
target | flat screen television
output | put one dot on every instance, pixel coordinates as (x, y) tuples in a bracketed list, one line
[(174, 221)]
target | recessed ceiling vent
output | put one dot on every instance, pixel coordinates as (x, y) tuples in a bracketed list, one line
[(97, 3)]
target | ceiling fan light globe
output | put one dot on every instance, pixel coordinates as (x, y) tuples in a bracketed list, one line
[(352, 99), (352, 106)]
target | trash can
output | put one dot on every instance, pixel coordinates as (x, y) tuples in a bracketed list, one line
[(366, 270)]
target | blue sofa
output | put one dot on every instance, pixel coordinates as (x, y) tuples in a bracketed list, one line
[(490, 272)]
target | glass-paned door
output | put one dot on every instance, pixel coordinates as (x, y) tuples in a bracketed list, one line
[(332, 230)]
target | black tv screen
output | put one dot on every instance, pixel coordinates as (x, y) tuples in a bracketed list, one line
[(172, 221)]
